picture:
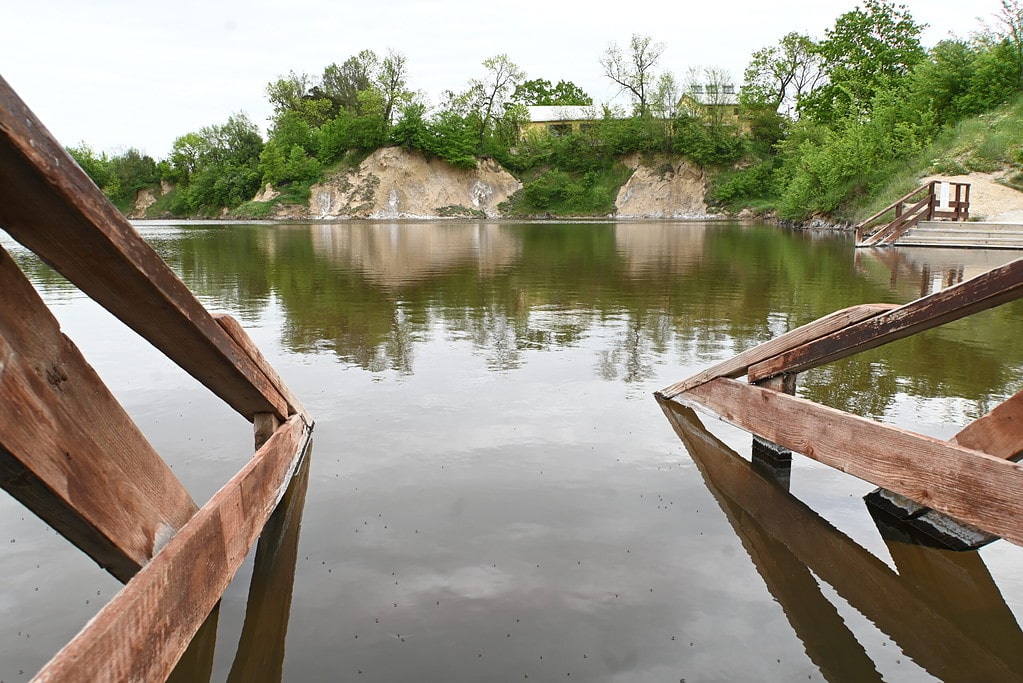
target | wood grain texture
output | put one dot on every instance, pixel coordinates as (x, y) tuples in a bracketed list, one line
[(52, 207), (969, 485), (260, 654), (142, 632), (68, 450), (999, 433), (738, 365), (985, 291), (777, 529), (240, 337)]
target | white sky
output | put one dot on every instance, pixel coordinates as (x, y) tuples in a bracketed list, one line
[(118, 74)]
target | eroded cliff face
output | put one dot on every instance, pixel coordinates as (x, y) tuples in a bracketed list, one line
[(663, 188), (397, 183)]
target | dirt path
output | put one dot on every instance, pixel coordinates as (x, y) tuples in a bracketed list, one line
[(990, 201)]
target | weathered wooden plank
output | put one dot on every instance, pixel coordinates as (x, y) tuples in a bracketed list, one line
[(68, 450), (737, 365), (53, 208), (242, 339), (260, 653), (140, 634), (969, 485), (999, 433), (987, 290), (900, 605)]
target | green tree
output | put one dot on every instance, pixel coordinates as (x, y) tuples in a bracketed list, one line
[(868, 50), (489, 94), (633, 72), (779, 76), (343, 84), (539, 92), (95, 166), (217, 166)]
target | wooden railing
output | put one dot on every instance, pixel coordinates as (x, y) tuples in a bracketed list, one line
[(930, 201), (969, 477), (69, 451)]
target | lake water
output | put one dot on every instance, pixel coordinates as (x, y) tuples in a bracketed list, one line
[(493, 493)]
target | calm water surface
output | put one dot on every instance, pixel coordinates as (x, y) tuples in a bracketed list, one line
[(495, 495)]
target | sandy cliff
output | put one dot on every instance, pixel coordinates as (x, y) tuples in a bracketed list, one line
[(396, 183)]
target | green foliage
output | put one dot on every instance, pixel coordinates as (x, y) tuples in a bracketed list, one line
[(737, 188), (870, 48), (95, 166), (218, 166), (561, 193), (540, 92)]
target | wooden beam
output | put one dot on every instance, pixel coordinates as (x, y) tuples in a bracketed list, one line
[(52, 207), (999, 433), (260, 653), (985, 291), (241, 338), (738, 365), (140, 634), (969, 485), (68, 450), (900, 605)]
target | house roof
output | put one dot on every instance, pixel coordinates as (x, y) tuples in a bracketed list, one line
[(549, 114)]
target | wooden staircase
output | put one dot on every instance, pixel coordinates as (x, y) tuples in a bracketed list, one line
[(934, 200)]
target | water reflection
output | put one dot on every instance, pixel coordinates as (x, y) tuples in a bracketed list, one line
[(942, 608), (260, 653)]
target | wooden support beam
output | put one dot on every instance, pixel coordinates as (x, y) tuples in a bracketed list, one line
[(999, 433), (738, 365), (52, 207), (985, 291), (68, 450), (903, 605), (260, 653), (140, 634), (241, 338), (968, 485)]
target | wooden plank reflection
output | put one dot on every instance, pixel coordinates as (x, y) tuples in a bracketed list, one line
[(942, 608), (260, 653)]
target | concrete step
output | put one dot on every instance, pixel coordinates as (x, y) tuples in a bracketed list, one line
[(965, 235)]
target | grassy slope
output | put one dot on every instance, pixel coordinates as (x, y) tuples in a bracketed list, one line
[(989, 142)]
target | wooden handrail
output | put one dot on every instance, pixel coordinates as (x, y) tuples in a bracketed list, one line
[(71, 454), (52, 207), (862, 224)]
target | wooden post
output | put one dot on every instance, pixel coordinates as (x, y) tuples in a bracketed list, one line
[(769, 457), (68, 451)]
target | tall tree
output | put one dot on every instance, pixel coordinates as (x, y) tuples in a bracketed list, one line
[(392, 81), (868, 50), (343, 84), (540, 92), (779, 76), (1010, 31), (633, 72), (493, 90)]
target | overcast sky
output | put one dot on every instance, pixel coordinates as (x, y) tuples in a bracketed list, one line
[(119, 74)]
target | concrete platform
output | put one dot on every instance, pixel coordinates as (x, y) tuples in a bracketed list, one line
[(964, 235)]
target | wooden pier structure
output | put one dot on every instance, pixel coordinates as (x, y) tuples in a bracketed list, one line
[(971, 478), (71, 454), (941, 608), (936, 200)]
